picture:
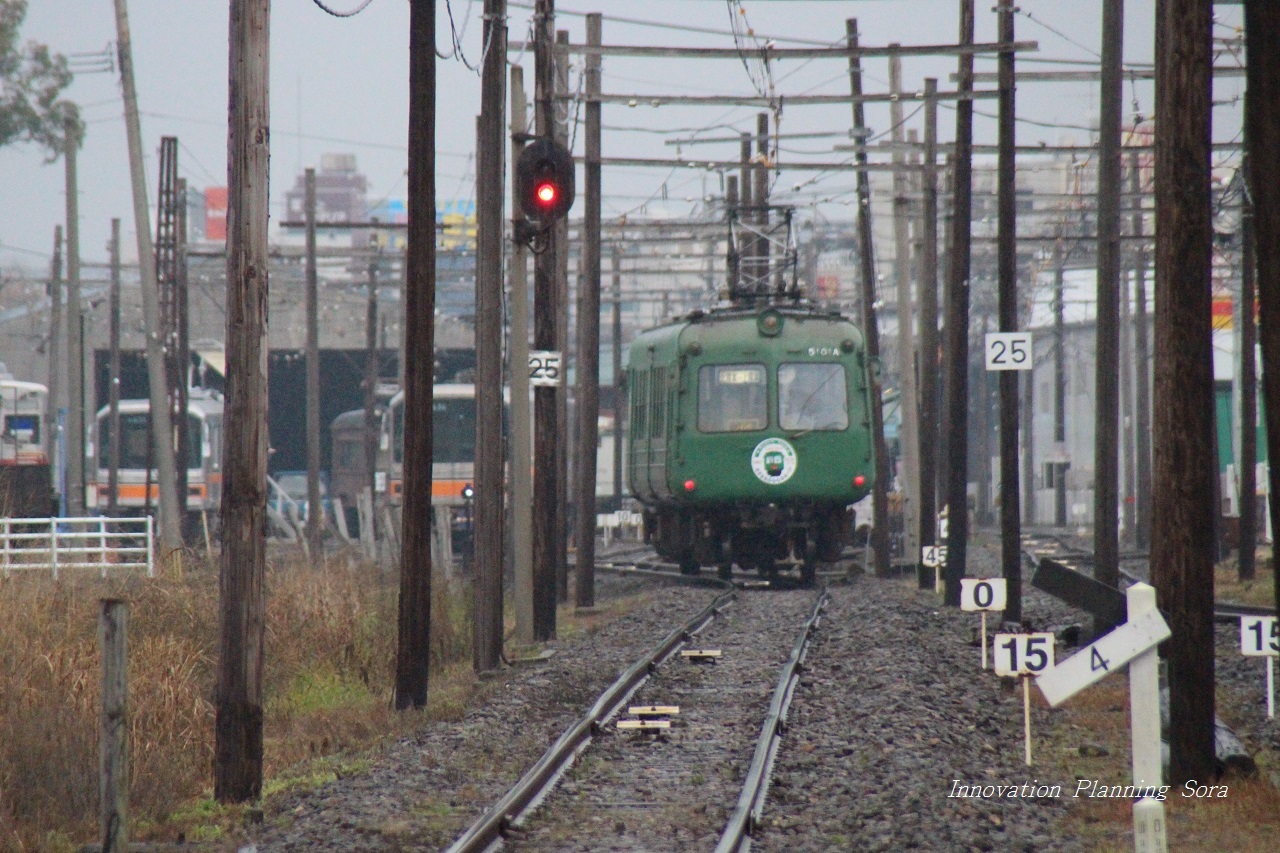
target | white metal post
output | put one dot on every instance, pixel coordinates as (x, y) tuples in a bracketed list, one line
[(6, 546), (151, 548), (53, 546), (1144, 714)]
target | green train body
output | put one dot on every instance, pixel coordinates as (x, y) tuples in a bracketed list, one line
[(749, 436)]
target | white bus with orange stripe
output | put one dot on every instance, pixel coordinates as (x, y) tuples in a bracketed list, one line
[(204, 461)]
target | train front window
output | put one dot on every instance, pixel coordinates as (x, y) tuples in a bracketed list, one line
[(732, 398), (135, 441), (453, 430), (812, 397)]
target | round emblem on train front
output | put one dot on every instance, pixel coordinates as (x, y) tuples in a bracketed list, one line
[(773, 461)]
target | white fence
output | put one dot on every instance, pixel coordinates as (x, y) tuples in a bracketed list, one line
[(619, 525), (55, 544)]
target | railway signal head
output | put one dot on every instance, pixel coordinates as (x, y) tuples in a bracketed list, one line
[(544, 181)]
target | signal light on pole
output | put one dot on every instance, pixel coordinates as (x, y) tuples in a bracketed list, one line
[(544, 181)]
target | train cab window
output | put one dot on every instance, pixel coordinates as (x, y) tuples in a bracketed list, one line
[(23, 429), (195, 453), (813, 397), (453, 429), (732, 398)]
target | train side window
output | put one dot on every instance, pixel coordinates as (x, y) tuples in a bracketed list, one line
[(732, 398), (813, 396), (639, 403), (658, 401)]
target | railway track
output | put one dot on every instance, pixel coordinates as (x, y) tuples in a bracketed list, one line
[(668, 782), (1036, 547)]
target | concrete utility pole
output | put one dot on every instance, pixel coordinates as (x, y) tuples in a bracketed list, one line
[(928, 360), (546, 474), (1007, 274), (589, 336), (161, 420), (1059, 386), (1106, 566), (240, 708), (1262, 141), (488, 532), (56, 333), (956, 407), (1142, 361), (521, 460), (908, 399), (371, 380), (1184, 468), (75, 318), (315, 511), (113, 391), (413, 645), (870, 328)]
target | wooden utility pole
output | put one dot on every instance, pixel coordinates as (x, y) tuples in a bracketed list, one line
[(56, 333), (1007, 309), (113, 390), (1106, 567), (1184, 466), (908, 400), (1248, 388), (1142, 371), (956, 405), (928, 360), (521, 461), (546, 435), (1262, 141), (240, 707), (414, 635), (113, 786), (75, 343), (161, 419), (619, 398), (564, 429), (589, 335), (760, 173), (487, 531), (870, 328), (315, 511)]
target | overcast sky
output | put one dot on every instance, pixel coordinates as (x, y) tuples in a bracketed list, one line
[(340, 85)]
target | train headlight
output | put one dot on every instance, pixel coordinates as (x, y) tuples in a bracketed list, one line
[(467, 492)]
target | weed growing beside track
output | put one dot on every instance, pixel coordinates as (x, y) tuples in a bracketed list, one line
[(328, 680)]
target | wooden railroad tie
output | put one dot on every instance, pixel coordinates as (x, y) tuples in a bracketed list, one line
[(701, 655), (645, 711), (645, 725)]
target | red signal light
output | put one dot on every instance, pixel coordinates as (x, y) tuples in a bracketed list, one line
[(546, 193), (859, 480), (690, 485)]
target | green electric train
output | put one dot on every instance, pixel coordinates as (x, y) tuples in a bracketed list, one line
[(750, 436)]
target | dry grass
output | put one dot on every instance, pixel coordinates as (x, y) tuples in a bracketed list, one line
[(331, 636), (1247, 820), (1227, 585)]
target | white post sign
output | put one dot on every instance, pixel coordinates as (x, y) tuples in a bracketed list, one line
[(984, 595), (544, 367), (1133, 643), (1024, 655), (1008, 350), (1260, 637)]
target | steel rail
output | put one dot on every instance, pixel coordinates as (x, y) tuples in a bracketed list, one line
[(1223, 611), (746, 816), (488, 831)]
